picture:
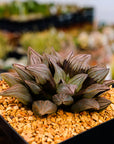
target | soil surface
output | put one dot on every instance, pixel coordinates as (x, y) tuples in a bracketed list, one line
[(53, 128)]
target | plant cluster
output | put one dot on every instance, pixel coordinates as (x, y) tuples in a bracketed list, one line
[(50, 81), (95, 39), (43, 41), (32, 7)]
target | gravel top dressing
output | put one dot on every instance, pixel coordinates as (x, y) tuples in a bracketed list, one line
[(53, 128)]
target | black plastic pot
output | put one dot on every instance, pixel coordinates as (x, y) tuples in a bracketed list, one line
[(82, 16), (103, 133), (8, 135)]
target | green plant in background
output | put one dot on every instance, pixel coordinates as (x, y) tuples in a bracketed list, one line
[(50, 82), (82, 40), (12, 8), (25, 8), (43, 41), (34, 7), (5, 47)]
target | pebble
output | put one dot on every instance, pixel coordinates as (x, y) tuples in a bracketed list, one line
[(54, 128)]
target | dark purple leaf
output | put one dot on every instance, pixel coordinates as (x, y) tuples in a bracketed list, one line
[(43, 107), (85, 104), (60, 99), (98, 73), (103, 102)]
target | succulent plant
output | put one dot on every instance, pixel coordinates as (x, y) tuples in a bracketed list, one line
[(43, 41), (49, 82)]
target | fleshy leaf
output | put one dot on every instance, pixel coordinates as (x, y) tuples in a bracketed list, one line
[(20, 92), (42, 75), (108, 82), (40, 72), (66, 63), (10, 78), (68, 89), (48, 61), (60, 99), (43, 107), (56, 56), (76, 64), (85, 104), (70, 55), (33, 57), (59, 73), (22, 72), (33, 87), (94, 89), (103, 102), (78, 80), (98, 73), (80, 62)]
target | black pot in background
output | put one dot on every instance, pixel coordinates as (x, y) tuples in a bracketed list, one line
[(82, 16), (103, 133)]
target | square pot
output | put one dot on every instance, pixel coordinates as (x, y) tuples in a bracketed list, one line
[(101, 133), (8, 135)]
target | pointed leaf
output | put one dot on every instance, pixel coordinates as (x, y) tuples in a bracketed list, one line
[(59, 73), (60, 99), (68, 89), (56, 56), (47, 60), (80, 62), (33, 57), (94, 89), (18, 91), (103, 102), (78, 80), (108, 82), (98, 74), (33, 87), (67, 65), (76, 64), (43, 107), (53, 57), (10, 78), (42, 74), (85, 104), (22, 72), (70, 55)]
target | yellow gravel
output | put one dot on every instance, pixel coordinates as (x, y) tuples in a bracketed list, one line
[(53, 128)]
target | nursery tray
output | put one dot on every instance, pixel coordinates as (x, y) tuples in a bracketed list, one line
[(82, 16), (103, 133)]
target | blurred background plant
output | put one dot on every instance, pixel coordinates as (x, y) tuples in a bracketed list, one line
[(31, 9), (44, 41), (92, 38), (5, 46)]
